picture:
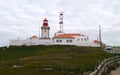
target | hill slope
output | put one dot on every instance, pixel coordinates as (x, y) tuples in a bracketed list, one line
[(50, 60)]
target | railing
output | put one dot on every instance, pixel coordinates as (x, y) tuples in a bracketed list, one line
[(106, 66)]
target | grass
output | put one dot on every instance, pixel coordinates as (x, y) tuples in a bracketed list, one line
[(50, 60)]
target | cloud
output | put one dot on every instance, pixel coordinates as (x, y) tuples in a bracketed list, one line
[(23, 18)]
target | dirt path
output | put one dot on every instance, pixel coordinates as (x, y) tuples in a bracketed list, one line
[(115, 72)]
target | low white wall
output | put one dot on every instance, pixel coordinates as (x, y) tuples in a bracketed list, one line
[(17, 42), (29, 42)]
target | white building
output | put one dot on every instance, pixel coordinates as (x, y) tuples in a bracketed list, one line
[(77, 39), (60, 38), (34, 40)]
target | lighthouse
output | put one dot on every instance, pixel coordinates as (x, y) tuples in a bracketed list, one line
[(45, 29)]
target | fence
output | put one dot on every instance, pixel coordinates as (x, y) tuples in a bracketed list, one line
[(106, 66)]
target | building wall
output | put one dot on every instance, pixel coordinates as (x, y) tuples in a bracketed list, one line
[(29, 42), (64, 41), (78, 41), (45, 32), (17, 42)]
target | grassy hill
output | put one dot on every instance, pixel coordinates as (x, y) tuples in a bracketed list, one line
[(50, 60)]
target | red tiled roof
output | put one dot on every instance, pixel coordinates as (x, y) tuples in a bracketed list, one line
[(73, 34), (96, 41), (69, 35), (34, 36)]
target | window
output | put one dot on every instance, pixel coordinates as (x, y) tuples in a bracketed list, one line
[(69, 41), (81, 39), (45, 30), (58, 40)]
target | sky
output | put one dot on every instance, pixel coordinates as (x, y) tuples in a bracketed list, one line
[(23, 18)]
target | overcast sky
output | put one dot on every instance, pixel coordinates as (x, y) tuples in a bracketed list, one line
[(23, 18)]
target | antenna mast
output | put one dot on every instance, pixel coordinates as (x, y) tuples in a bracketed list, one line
[(61, 21)]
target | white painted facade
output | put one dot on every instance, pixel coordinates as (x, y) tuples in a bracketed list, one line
[(29, 42), (65, 41), (45, 32), (17, 42), (77, 40)]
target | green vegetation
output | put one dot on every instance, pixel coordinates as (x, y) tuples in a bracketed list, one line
[(50, 60)]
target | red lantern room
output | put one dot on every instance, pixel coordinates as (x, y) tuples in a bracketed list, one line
[(45, 22)]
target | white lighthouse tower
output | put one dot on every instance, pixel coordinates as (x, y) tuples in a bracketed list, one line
[(45, 30)]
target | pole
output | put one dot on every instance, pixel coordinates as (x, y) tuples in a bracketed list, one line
[(100, 37)]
